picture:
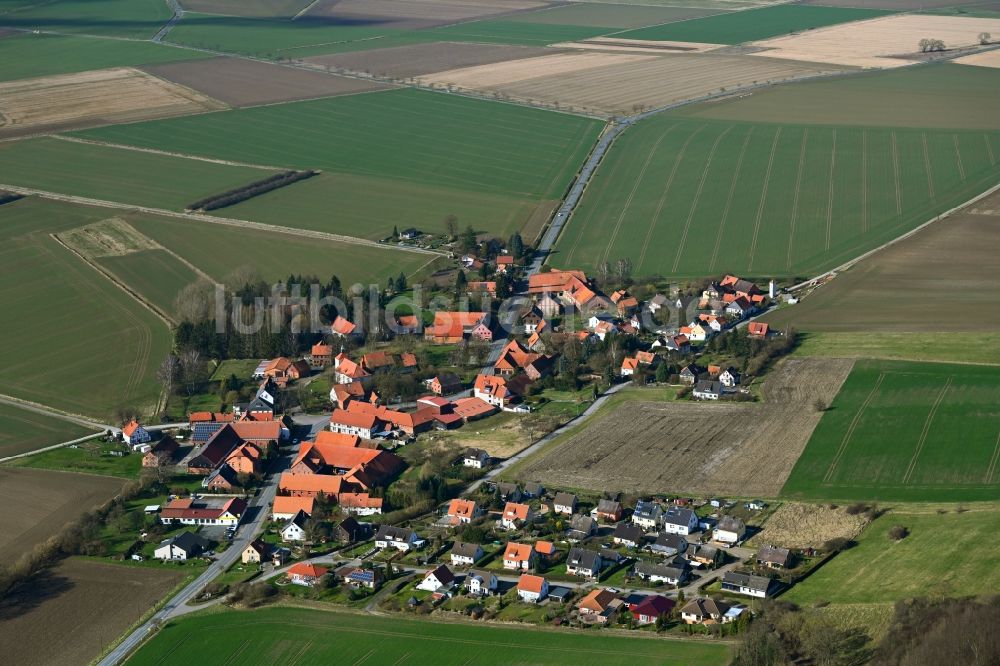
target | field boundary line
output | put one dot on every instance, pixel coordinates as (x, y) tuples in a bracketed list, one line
[(851, 428), (864, 180), (992, 468), (666, 193), (829, 191), (927, 428), (166, 153), (795, 200), (402, 659), (55, 412), (729, 200), (989, 149), (958, 157), (927, 166), (763, 200), (847, 264), (631, 195), (697, 198), (213, 219), (305, 10), (895, 173)]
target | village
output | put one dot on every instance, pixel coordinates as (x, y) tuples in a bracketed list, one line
[(359, 506)]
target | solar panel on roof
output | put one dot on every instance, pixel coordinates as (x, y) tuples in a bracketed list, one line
[(203, 431)]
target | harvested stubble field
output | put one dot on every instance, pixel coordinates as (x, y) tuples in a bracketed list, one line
[(38, 503), (739, 27), (902, 431), (605, 82), (77, 608), (116, 174), (240, 82), (738, 449), (945, 555), (685, 197), (403, 62), (100, 97), (25, 56), (808, 526), (85, 345), (985, 59), (929, 282), (22, 430), (871, 43), (941, 95), (397, 138), (321, 636)]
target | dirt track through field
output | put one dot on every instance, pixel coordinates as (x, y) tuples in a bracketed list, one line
[(697, 198), (763, 198), (729, 201), (729, 448), (795, 200)]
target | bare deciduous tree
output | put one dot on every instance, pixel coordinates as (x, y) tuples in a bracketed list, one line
[(168, 372), (984, 38), (192, 369)]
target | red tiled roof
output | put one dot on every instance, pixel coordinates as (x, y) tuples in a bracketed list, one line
[(342, 326), (530, 583), (307, 570)]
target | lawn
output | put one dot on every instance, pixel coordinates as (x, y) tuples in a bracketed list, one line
[(906, 431), (409, 135), (30, 55), (739, 27), (156, 275), (692, 197), (220, 250), (22, 430), (116, 174), (137, 19), (81, 343), (91, 457), (241, 367), (321, 636), (945, 554)]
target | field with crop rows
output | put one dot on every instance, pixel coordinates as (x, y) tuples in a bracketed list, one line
[(317, 636), (901, 431), (687, 197), (22, 430)]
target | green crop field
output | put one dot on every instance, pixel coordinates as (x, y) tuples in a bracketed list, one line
[(906, 431), (115, 174), (502, 31), (30, 55), (615, 16), (138, 19), (22, 430), (693, 197), (739, 27), (155, 274), (83, 345), (219, 250), (941, 95), (417, 138), (944, 346), (945, 554), (319, 637)]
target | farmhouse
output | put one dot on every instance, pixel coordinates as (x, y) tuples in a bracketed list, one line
[(452, 327), (181, 547), (203, 512), (162, 453), (748, 584), (445, 383), (532, 589), (310, 485), (135, 435), (363, 425), (222, 480), (360, 504)]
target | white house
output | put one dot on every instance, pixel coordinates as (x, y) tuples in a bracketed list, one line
[(564, 503), (180, 547), (476, 458), (135, 435), (729, 530), (397, 537), (729, 377), (707, 389), (532, 588), (748, 584), (481, 583), (465, 554), (295, 529), (440, 579), (647, 514), (680, 521), (515, 515)]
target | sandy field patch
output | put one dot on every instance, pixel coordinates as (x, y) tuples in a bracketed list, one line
[(518, 71), (879, 42), (113, 237), (77, 608), (400, 14), (240, 82), (738, 449), (984, 59), (615, 83), (38, 503), (405, 61), (930, 282), (98, 97), (808, 526), (651, 44)]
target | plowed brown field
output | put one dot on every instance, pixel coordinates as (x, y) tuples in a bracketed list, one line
[(736, 449)]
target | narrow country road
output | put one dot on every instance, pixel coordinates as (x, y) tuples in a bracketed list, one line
[(178, 15)]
